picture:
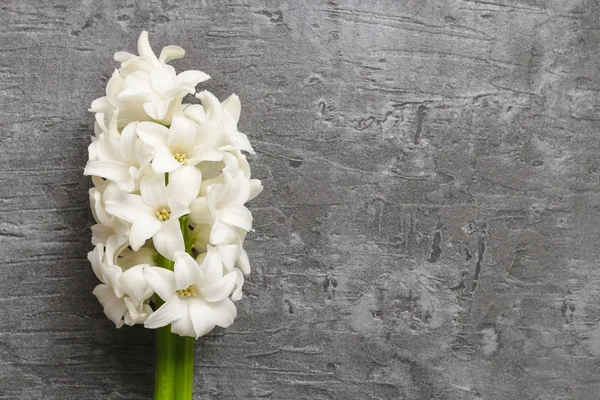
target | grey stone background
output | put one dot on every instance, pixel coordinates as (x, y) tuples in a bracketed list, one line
[(430, 224)]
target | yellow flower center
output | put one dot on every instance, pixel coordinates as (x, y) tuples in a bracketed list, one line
[(180, 157), (163, 215), (187, 292)]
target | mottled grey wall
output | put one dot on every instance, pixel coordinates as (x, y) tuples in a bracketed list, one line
[(430, 224)]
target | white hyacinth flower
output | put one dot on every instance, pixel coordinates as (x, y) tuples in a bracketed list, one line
[(155, 212), (114, 292), (222, 200), (146, 87), (107, 225), (196, 296), (218, 122), (120, 158), (181, 144), (233, 254)]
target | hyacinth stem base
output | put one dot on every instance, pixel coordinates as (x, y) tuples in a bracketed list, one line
[(184, 367), (174, 371)]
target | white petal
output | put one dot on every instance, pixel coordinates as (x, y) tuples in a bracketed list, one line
[(153, 134), (161, 280), (228, 254), (97, 208), (108, 148), (101, 121), (133, 283), (221, 289), (169, 239), (111, 170), (166, 314), (222, 234), (143, 228), (243, 164), (224, 313), (136, 313), (178, 209), (114, 307), (164, 161), (184, 184), (114, 245), (233, 106), (236, 188), (144, 48), (255, 188), (198, 311), (183, 325), (199, 211), (216, 192), (111, 277), (187, 270), (127, 143), (95, 258), (211, 267), (101, 233), (134, 93), (196, 112), (128, 207), (213, 195), (212, 106), (238, 216), (243, 263), (143, 153), (171, 52), (154, 191), (192, 77), (98, 182), (163, 78), (204, 152), (139, 79), (157, 109), (240, 141), (239, 283), (130, 258), (113, 128), (123, 56), (182, 133), (127, 186), (206, 315), (114, 86), (100, 104), (92, 150)]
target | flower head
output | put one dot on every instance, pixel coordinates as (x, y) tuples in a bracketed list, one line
[(170, 187)]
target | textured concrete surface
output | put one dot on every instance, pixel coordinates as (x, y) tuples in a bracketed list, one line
[(430, 224)]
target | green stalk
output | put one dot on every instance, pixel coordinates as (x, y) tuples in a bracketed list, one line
[(174, 370), (184, 369), (166, 361), (184, 347)]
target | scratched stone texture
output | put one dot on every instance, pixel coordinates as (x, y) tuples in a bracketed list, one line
[(430, 222)]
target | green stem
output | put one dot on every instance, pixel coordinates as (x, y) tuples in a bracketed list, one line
[(184, 369), (187, 235), (166, 361), (174, 371), (184, 347)]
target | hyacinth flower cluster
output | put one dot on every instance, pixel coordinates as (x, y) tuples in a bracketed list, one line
[(170, 185)]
